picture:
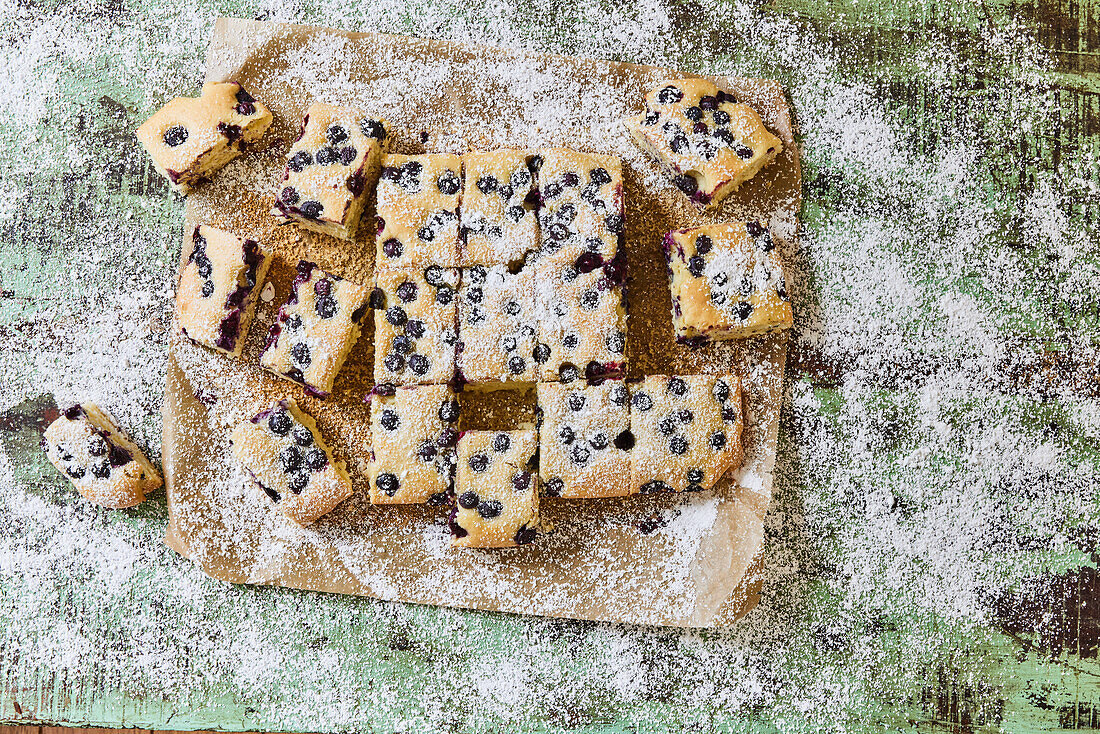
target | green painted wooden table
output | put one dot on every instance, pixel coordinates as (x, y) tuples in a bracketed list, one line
[(932, 550)]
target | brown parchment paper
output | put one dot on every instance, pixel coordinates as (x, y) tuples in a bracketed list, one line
[(686, 560)]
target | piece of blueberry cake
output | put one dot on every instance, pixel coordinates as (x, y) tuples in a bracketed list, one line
[(499, 222), (218, 285), (496, 490), (316, 328), (584, 439), (104, 465), (415, 333), (707, 141), (331, 169), (190, 139), (283, 452), (497, 326), (413, 438), (418, 210), (687, 431), (581, 207), (727, 282), (582, 327)]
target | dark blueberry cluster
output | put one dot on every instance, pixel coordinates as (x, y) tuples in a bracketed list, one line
[(175, 136), (246, 105), (407, 176), (301, 457), (202, 263)]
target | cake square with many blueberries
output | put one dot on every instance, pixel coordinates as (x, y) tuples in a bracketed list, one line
[(727, 282), (190, 139), (415, 334), (216, 297), (707, 141), (584, 439), (413, 438), (687, 431), (499, 223), (581, 207), (316, 328), (418, 210), (496, 490), (284, 453), (497, 325), (331, 169)]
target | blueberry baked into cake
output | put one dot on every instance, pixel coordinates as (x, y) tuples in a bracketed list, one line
[(283, 452), (585, 440), (497, 326), (216, 297), (418, 210), (707, 141), (189, 139), (413, 438), (415, 333), (316, 328), (496, 490), (687, 431), (331, 169), (499, 223), (104, 465), (727, 282), (581, 211)]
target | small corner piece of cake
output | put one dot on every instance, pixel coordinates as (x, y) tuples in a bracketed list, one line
[(414, 328), (316, 329), (496, 490), (283, 452), (727, 282), (413, 438), (584, 439), (499, 222), (105, 466), (418, 210), (189, 139), (687, 431), (216, 297), (707, 141), (331, 169)]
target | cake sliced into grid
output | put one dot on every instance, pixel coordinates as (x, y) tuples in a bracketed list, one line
[(687, 431), (331, 169), (497, 325), (190, 139), (581, 207), (283, 452), (316, 328), (584, 439), (413, 438), (216, 297), (105, 466), (499, 223), (706, 140), (496, 490), (415, 334), (418, 210), (727, 282)]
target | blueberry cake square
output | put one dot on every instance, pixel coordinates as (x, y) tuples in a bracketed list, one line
[(707, 141), (582, 327), (687, 431), (316, 328), (497, 325), (727, 282), (216, 297), (496, 490), (418, 210), (283, 452), (331, 169), (581, 207), (415, 334), (104, 465), (584, 439), (189, 139), (499, 223), (413, 438)]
